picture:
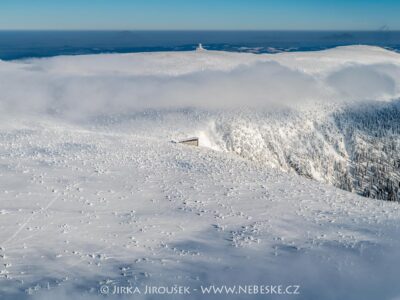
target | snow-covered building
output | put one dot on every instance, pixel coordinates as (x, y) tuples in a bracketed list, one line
[(194, 141)]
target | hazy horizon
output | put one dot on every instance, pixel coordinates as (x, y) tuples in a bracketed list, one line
[(195, 15)]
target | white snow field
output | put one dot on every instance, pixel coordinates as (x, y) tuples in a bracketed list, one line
[(94, 194)]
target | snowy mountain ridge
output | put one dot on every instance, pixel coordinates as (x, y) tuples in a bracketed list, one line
[(318, 114)]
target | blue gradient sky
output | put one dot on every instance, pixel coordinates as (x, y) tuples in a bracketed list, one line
[(200, 14)]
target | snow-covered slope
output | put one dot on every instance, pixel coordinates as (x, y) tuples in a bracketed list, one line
[(94, 193), (355, 147), (86, 207)]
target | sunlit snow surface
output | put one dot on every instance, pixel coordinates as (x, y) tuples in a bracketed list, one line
[(93, 192)]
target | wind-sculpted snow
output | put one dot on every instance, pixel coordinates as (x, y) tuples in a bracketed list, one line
[(83, 206)]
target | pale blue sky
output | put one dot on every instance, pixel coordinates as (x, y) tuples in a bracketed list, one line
[(201, 14)]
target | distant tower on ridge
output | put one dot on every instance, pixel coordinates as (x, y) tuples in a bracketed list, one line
[(200, 47)]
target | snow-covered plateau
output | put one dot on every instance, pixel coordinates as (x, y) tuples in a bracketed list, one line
[(295, 182)]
